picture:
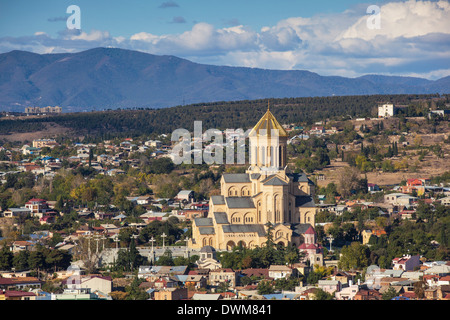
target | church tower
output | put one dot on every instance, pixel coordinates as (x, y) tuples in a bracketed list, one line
[(268, 141)]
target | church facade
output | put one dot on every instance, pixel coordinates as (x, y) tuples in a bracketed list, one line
[(267, 193)]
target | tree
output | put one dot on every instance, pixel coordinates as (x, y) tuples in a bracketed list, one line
[(349, 180), (135, 292), (265, 287), (20, 260), (354, 256), (322, 295), (389, 294), (36, 259), (6, 257), (166, 259)]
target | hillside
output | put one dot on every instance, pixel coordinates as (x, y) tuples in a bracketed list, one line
[(219, 115), (107, 78)]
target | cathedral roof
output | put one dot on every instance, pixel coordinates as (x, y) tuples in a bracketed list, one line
[(298, 177), (275, 181), (221, 217), (202, 222), (244, 228), (239, 202), (304, 201), (301, 228), (217, 200), (266, 124), (236, 177)]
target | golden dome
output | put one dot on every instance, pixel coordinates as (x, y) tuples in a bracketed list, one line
[(268, 123)]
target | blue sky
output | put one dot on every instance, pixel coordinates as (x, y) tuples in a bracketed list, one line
[(124, 18), (329, 37)]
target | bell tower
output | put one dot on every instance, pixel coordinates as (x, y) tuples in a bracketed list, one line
[(268, 142)]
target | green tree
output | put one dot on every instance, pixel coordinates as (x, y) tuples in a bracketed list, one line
[(389, 294), (354, 256), (20, 260), (6, 258), (265, 287), (322, 295)]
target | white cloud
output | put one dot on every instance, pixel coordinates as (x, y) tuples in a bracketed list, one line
[(404, 19)]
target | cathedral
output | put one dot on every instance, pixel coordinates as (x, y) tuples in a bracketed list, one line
[(268, 192)]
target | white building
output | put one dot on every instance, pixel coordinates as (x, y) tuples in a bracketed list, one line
[(386, 110)]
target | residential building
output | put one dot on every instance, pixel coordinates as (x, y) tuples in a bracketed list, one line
[(406, 263), (367, 294), (16, 212), (171, 294), (387, 110), (227, 275), (347, 293), (17, 295), (186, 196), (20, 283), (97, 283), (281, 272), (41, 143), (22, 245), (330, 286)]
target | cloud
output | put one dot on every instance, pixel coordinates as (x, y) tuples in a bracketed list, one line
[(414, 39), (57, 19), (178, 19), (168, 4)]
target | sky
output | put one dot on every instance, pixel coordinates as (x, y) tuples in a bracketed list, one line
[(346, 38)]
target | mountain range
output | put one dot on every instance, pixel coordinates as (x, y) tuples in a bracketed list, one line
[(111, 78)]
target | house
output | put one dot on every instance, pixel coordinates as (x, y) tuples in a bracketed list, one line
[(445, 201), (399, 199), (207, 296), (372, 187), (16, 212), (367, 294), (330, 286), (281, 271), (39, 207), (41, 143), (227, 275), (317, 130), (406, 263), (258, 273), (20, 283), (17, 295), (97, 283), (171, 294), (196, 281), (417, 185), (441, 270), (22, 246), (186, 196), (140, 200), (347, 293)]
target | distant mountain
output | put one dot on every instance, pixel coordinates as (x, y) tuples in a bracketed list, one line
[(110, 78)]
